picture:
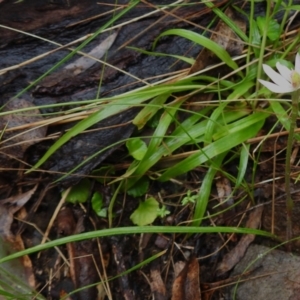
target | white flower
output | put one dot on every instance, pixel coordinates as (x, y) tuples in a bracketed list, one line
[(285, 82)]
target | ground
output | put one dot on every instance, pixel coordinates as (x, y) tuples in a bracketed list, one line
[(163, 260)]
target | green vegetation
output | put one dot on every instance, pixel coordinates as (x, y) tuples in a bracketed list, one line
[(211, 136)]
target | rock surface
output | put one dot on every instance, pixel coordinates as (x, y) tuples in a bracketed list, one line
[(274, 274)]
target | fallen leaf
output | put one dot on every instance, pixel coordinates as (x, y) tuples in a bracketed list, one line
[(10, 206), (225, 196), (186, 286), (157, 285), (83, 268), (14, 143), (236, 254), (16, 275), (225, 37)]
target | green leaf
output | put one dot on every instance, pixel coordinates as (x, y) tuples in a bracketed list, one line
[(80, 192), (205, 190), (165, 120), (213, 123), (140, 188), (271, 26), (244, 159), (256, 38), (227, 20), (97, 204), (163, 212), (150, 111), (131, 230), (146, 213), (203, 41), (187, 132), (189, 198), (116, 105), (137, 148), (232, 137)]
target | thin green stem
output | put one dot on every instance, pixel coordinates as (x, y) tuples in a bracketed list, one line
[(289, 200), (263, 44), (111, 205)]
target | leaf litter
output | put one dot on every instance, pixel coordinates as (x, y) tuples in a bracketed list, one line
[(18, 274), (15, 142)]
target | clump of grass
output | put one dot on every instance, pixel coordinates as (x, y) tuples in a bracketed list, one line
[(217, 133)]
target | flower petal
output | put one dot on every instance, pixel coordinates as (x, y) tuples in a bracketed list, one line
[(297, 63), (284, 71), (276, 88), (275, 77)]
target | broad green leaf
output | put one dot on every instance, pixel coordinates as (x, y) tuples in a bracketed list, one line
[(97, 204), (80, 192), (146, 213), (140, 188), (137, 148), (271, 26), (255, 38)]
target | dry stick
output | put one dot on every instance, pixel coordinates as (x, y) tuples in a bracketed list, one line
[(59, 206), (289, 200)]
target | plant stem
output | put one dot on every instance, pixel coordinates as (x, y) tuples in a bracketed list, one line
[(289, 200)]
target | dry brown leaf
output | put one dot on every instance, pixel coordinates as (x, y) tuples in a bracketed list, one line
[(83, 268), (10, 206), (178, 285), (192, 287), (15, 143), (225, 196), (226, 38), (187, 285), (235, 255), (157, 285), (224, 190), (178, 267), (16, 275)]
